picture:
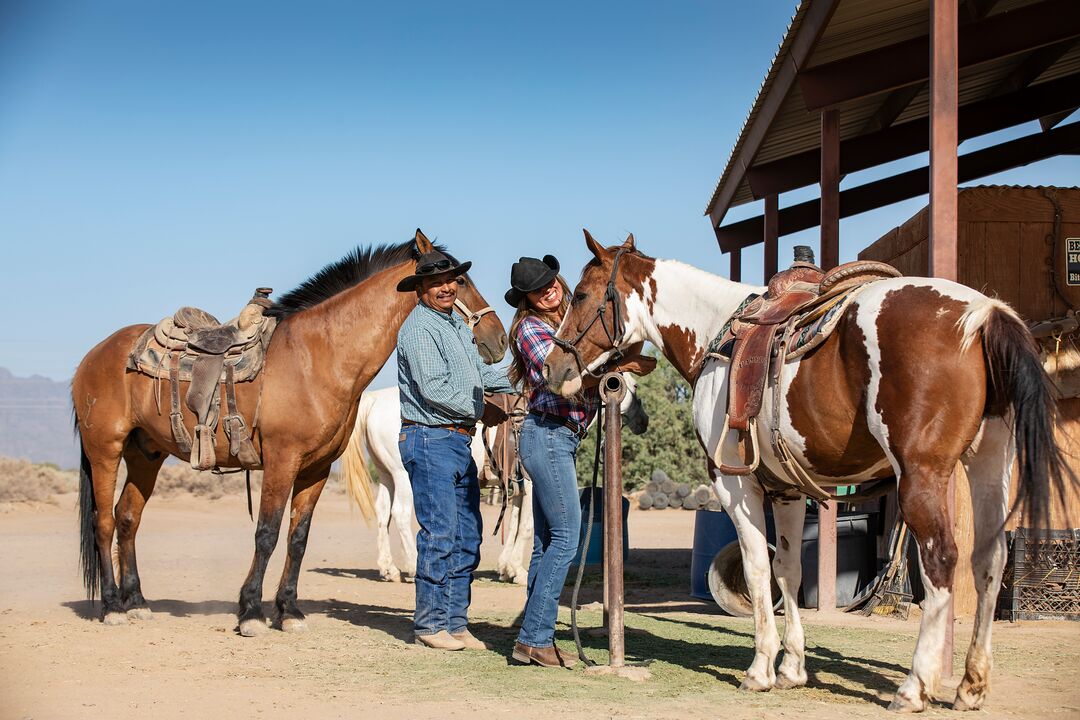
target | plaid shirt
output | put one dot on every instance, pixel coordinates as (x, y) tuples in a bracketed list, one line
[(441, 377), (535, 338)]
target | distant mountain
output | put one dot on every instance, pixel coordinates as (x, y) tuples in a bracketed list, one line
[(35, 420)]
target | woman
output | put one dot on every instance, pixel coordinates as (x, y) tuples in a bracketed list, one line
[(548, 449)]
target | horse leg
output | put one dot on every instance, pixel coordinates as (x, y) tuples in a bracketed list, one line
[(278, 479), (305, 495), (385, 561), (402, 510), (787, 569), (142, 473), (104, 459), (923, 503), (524, 534), (989, 471), (511, 521), (744, 500)]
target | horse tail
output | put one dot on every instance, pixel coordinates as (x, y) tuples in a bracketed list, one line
[(354, 467), (89, 556), (1016, 379)]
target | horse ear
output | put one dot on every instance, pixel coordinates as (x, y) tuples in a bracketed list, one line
[(629, 244), (594, 247), (423, 245)]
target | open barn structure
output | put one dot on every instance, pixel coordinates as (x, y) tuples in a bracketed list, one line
[(856, 84)]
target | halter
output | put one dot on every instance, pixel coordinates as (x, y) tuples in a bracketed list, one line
[(471, 318), (614, 334)]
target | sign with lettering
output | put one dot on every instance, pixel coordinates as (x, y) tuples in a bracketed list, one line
[(1072, 261)]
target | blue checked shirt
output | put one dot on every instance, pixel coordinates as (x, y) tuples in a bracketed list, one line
[(441, 377)]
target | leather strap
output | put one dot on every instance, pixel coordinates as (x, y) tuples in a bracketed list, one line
[(463, 429), (176, 417)]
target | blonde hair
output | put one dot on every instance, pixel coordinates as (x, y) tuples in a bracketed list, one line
[(516, 372)]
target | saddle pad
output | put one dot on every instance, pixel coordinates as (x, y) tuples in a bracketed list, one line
[(149, 357)]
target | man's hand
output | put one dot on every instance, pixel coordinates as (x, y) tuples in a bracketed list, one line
[(493, 414)]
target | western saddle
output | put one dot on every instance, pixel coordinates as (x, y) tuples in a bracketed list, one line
[(798, 311), (192, 346)]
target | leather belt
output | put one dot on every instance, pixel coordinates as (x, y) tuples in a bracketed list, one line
[(561, 420), (463, 429)]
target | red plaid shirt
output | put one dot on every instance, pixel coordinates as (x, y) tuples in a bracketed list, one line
[(535, 338)]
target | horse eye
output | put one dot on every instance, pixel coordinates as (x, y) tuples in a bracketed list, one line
[(578, 297), (460, 281)]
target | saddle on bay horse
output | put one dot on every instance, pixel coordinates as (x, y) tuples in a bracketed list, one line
[(800, 309), (193, 346)]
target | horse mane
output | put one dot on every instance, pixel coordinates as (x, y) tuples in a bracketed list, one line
[(337, 277)]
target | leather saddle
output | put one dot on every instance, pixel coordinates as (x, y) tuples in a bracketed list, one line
[(193, 346), (763, 331)]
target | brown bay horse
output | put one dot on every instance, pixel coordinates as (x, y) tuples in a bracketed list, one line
[(918, 374), (334, 333)]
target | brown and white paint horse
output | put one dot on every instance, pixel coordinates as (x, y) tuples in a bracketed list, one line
[(335, 331), (919, 373)]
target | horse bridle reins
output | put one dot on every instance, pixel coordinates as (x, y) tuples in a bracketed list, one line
[(472, 319), (615, 334)]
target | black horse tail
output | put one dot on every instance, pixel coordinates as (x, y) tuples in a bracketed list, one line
[(1018, 381), (89, 556)]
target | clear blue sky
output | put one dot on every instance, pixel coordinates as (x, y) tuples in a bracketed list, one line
[(135, 135)]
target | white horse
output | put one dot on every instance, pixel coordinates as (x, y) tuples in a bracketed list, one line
[(378, 422)]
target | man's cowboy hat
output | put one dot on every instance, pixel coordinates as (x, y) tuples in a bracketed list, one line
[(433, 263), (530, 274)]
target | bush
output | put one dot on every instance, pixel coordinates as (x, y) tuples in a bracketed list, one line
[(23, 481)]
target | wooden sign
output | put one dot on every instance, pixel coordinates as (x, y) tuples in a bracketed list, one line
[(1072, 261)]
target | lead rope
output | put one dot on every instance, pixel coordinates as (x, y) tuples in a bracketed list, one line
[(584, 550)]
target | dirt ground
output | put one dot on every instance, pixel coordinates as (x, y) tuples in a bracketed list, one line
[(57, 661)]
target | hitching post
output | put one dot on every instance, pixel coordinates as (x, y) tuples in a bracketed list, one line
[(612, 391)]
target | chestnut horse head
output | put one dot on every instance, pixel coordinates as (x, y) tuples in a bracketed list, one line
[(916, 377), (334, 333)]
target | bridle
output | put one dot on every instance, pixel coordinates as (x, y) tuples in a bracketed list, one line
[(472, 319), (615, 333)]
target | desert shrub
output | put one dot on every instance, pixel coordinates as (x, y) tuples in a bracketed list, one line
[(23, 481)]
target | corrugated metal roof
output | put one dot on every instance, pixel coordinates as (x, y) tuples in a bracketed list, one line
[(855, 27)]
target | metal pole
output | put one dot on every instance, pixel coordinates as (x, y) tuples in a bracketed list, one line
[(612, 391)]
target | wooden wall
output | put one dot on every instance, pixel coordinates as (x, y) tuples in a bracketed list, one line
[(1007, 248)]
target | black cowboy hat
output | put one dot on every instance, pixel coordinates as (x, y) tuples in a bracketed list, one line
[(433, 263), (530, 274)]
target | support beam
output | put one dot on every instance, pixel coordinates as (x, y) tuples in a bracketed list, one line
[(1048, 122), (1031, 67), (910, 138), (830, 192), (772, 235), (735, 271), (826, 586), (998, 158), (905, 63)]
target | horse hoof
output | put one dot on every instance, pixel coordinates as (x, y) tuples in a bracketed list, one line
[(408, 578), (902, 704), (293, 625), (754, 686), (115, 618), (253, 627), (965, 701), (783, 682), (140, 613), (387, 576)]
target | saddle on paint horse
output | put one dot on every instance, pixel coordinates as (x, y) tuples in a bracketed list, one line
[(192, 346), (798, 311)]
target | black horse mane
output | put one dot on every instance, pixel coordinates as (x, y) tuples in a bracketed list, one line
[(337, 277)]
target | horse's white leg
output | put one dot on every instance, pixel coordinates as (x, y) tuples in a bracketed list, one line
[(989, 471), (787, 569), (511, 521), (385, 561), (402, 510), (524, 540), (744, 500)]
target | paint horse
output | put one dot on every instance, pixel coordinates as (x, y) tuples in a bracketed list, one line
[(334, 333), (378, 422), (919, 373)]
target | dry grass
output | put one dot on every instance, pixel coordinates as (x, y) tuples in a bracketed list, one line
[(24, 481)]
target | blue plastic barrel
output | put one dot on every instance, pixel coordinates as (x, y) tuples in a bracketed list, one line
[(595, 553)]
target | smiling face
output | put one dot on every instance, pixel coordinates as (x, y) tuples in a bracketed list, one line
[(438, 291), (547, 298)]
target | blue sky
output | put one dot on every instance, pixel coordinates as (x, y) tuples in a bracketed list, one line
[(135, 135)]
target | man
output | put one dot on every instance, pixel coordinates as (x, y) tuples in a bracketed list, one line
[(442, 380)]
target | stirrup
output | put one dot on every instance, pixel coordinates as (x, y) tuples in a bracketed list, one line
[(736, 470)]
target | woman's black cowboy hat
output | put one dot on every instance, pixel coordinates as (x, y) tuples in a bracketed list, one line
[(433, 263), (530, 274)]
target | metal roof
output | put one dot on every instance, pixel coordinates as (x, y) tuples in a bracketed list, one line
[(824, 36)]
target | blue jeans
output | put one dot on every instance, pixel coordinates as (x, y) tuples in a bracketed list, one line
[(446, 495), (548, 451)]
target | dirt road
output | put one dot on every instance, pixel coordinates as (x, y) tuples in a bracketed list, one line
[(57, 661)]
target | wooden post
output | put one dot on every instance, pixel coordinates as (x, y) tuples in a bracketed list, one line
[(943, 200), (830, 258), (612, 391), (772, 234), (735, 273)]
